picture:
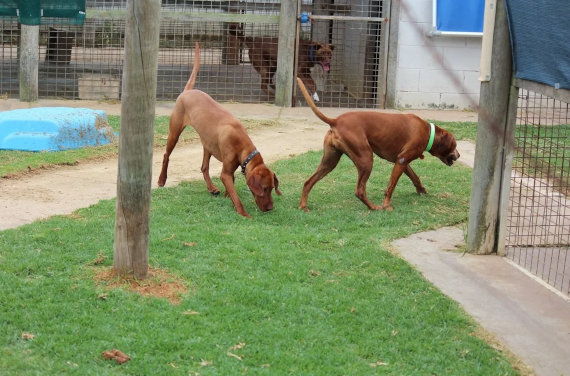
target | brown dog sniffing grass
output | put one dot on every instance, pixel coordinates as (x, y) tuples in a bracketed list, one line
[(225, 138), (397, 138)]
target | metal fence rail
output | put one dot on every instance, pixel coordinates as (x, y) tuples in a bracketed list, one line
[(538, 227)]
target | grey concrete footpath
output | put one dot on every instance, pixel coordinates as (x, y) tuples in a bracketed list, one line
[(531, 320), (526, 316)]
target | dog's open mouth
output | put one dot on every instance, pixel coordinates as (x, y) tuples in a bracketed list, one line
[(449, 161), (326, 66)]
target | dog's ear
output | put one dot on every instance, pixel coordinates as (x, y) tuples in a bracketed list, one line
[(254, 184), (276, 184), (331, 46)]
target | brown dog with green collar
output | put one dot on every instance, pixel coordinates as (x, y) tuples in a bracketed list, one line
[(225, 138), (398, 138)]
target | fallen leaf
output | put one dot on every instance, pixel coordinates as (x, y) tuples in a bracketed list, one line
[(169, 238), (190, 313), (206, 363), (99, 260), (238, 346), (102, 296), (27, 336), (378, 363), (234, 356), (119, 356), (189, 244), (314, 273)]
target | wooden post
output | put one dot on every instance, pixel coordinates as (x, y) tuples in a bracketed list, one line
[(497, 104), (285, 75), (29, 59), (136, 138), (392, 53)]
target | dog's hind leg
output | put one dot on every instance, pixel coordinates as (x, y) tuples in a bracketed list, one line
[(329, 161), (206, 173), (364, 162), (415, 180)]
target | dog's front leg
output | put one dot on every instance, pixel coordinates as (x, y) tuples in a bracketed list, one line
[(206, 173), (415, 180), (228, 180), (396, 173)]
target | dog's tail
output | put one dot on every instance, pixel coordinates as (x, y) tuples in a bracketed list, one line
[(309, 100), (192, 79)]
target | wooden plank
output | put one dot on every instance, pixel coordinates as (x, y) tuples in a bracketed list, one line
[(562, 95), (29, 59), (96, 14)]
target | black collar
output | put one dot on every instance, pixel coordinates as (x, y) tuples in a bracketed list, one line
[(247, 160)]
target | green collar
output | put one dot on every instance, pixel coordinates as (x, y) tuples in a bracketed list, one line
[(431, 136)]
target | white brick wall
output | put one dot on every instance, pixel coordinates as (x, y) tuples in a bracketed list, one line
[(434, 71)]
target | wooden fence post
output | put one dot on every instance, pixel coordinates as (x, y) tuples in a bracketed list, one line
[(29, 60), (284, 77), (497, 104), (136, 138)]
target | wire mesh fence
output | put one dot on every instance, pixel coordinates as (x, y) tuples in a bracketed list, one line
[(357, 30), (85, 62), (538, 226)]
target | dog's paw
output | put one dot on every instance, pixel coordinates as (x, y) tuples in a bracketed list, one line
[(304, 208), (214, 192), (421, 191)]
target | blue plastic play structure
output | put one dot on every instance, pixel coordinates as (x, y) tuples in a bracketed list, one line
[(53, 129)]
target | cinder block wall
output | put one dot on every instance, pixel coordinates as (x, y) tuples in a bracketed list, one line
[(434, 71)]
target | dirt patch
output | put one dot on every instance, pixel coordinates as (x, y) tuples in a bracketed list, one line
[(159, 284)]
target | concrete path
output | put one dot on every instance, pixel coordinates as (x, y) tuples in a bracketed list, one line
[(526, 316), (530, 319)]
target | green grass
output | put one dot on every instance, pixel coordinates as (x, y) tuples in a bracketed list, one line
[(18, 162), (543, 150), (461, 130), (315, 293)]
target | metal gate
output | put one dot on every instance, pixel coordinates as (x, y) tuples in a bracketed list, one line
[(358, 30), (538, 224)]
